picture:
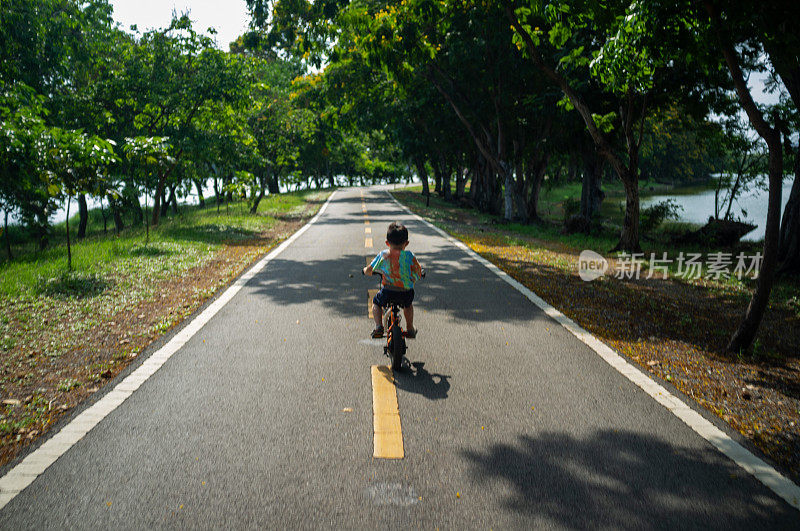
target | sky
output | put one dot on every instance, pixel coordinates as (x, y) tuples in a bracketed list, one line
[(228, 17)]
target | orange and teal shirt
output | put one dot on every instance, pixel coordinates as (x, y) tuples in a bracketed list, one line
[(400, 269)]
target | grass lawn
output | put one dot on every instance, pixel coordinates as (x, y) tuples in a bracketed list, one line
[(674, 328), (64, 334)]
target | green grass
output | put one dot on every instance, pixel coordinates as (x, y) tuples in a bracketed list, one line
[(179, 242)]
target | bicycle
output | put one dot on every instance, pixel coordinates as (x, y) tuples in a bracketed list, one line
[(395, 347)]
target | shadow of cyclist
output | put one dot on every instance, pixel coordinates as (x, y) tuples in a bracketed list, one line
[(416, 379)]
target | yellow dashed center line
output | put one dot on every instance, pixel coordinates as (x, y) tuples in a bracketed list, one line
[(388, 438), (388, 434)]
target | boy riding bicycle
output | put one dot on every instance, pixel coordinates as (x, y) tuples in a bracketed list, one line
[(399, 269)]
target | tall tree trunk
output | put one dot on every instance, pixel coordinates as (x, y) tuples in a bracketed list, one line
[(83, 212), (164, 204), (508, 191), (274, 188), (69, 244), (743, 336), (113, 204), (437, 180), (146, 222), (262, 188), (629, 238), (591, 192), (104, 216), (461, 182), (7, 236), (789, 238), (173, 198), (422, 172), (446, 190), (520, 193), (200, 199), (217, 193), (329, 173), (476, 184), (157, 199), (534, 176)]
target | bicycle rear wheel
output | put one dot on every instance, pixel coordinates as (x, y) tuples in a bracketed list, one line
[(397, 346)]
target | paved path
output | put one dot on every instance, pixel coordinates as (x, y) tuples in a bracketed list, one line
[(264, 418)]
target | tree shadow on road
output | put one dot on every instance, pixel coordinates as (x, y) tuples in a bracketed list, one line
[(620, 479), (460, 289)]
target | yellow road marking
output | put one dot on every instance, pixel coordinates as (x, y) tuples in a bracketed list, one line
[(370, 295), (388, 438), (368, 243), (367, 230), (366, 221)]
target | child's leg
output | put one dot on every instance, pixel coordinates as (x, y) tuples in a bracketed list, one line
[(408, 311), (377, 314)]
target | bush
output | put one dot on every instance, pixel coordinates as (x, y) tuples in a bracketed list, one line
[(571, 207), (654, 215)]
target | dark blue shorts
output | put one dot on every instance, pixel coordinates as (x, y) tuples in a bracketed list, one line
[(387, 296)]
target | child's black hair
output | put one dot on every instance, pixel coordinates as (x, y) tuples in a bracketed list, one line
[(397, 233)]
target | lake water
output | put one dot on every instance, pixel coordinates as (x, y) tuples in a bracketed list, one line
[(697, 208)]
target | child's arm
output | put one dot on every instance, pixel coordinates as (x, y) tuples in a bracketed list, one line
[(416, 269), (375, 263)]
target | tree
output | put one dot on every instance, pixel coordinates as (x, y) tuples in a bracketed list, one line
[(76, 163), (168, 77), (22, 182), (149, 156), (634, 52), (723, 28)]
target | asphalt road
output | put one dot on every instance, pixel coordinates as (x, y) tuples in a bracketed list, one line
[(264, 418)]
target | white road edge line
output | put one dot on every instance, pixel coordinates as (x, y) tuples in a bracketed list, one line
[(766, 474), (22, 475)]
